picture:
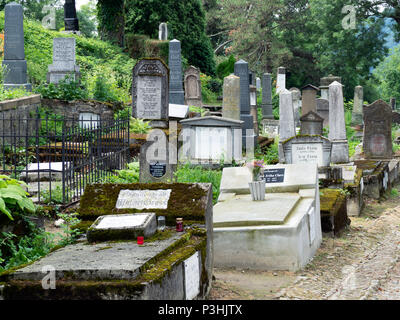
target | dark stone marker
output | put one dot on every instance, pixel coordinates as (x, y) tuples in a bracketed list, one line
[(14, 52), (150, 90), (377, 142), (70, 18), (311, 124), (176, 93), (274, 175), (242, 71), (266, 104)]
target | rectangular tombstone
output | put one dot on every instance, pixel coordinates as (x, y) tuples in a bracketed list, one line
[(231, 97), (150, 90), (193, 87), (176, 93)]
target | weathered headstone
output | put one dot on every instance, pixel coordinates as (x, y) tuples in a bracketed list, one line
[(176, 93), (377, 142), (357, 115), (296, 96), (242, 71), (63, 61), (70, 17), (231, 97), (393, 103), (324, 85), (258, 84), (287, 128), (150, 90), (281, 80), (337, 125), (323, 110), (253, 107), (309, 99), (14, 52), (163, 31), (266, 103), (308, 149), (193, 87), (311, 124)]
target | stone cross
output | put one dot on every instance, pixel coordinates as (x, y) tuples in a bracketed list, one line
[(70, 17), (241, 69), (357, 115), (63, 60), (337, 125), (14, 51), (176, 93), (163, 31), (309, 99), (231, 97), (281, 79)]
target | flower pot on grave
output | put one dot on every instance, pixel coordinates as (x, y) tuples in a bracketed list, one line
[(257, 190)]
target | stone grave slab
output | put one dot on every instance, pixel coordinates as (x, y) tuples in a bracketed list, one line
[(273, 211), (122, 227), (44, 171), (178, 111)]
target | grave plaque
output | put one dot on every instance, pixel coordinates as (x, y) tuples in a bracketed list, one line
[(150, 90), (307, 153), (157, 169), (143, 199), (192, 276), (274, 175)]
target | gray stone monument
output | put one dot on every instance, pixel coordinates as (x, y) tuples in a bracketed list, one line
[(281, 80), (150, 91), (324, 85), (163, 31), (311, 124), (231, 97), (337, 126), (323, 110), (70, 17), (357, 114), (176, 93), (393, 103), (242, 71), (258, 84), (253, 107), (287, 128), (377, 141), (63, 61), (309, 99), (193, 87), (266, 103), (14, 51), (296, 96)]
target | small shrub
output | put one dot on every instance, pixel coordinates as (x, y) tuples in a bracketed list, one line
[(139, 126)]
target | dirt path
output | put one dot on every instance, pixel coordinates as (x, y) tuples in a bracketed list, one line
[(362, 263)]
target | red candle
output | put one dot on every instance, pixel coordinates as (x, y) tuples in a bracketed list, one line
[(140, 240), (179, 225)]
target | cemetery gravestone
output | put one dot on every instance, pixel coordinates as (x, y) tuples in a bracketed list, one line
[(311, 124), (163, 32), (309, 99), (176, 93), (231, 97), (296, 96), (63, 61), (357, 115), (258, 84), (266, 103), (337, 126), (287, 128), (70, 17), (150, 90), (393, 103), (324, 85), (242, 71), (323, 110), (281, 80), (14, 52), (377, 142), (193, 87), (253, 107)]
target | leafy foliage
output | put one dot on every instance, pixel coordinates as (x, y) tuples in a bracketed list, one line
[(139, 126)]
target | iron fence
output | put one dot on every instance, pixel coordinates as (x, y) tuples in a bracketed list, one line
[(58, 156)]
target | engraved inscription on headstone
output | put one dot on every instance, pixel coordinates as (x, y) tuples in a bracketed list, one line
[(378, 144), (157, 169), (149, 97), (274, 175), (307, 153), (143, 199), (192, 276)]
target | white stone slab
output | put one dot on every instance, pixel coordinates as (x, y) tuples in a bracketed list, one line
[(192, 276), (46, 166), (143, 199), (122, 221), (178, 111), (296, 177), (307, 153)]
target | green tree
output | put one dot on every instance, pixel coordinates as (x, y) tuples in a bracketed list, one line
[(388, 75), (87, 19), (186, 22), (111, 21)]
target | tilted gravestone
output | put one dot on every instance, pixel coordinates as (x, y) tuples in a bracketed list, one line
[(14, 52), (231, 97), (63, 61), (176, 93), (377, 142), (193, 87), (70, 17), (150, 90)]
